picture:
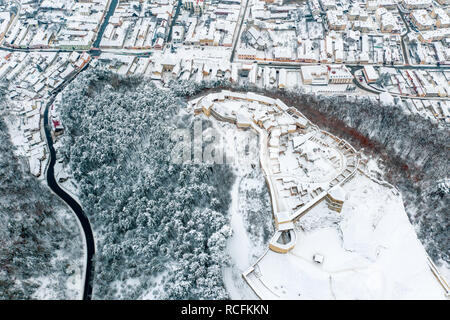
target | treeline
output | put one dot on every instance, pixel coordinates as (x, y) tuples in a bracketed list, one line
[(39, 237), (151, 217)]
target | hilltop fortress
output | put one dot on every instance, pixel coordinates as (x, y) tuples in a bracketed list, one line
[(368, 251), (302, 164)]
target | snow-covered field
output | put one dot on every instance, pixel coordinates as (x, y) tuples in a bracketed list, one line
[(370, 251)]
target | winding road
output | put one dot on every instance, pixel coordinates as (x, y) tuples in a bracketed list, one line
[(74, 205)]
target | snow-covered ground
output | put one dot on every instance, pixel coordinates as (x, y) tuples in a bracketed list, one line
[(155, 292), (370, 251), (17, 137), (239, 248), (66, 181), (243, 247)]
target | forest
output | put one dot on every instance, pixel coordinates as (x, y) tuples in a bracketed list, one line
[(160, 227), (40, 243)]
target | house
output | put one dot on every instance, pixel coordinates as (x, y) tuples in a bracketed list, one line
[(422, 20), (370, 74), (318, 258), (5, 19), (442, 18), (336, 20), (388, 23), (168, 62)]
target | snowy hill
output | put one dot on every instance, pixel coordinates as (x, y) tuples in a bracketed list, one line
[(370, 251)]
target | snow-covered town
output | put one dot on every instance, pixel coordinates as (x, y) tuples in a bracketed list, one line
[(253, 58)]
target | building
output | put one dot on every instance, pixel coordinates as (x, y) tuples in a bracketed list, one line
[(178, 34), (442, 18), (388, 23), (416, 4), (370, 74), (247, 54), (197, 6), (339, 74), (422, 20), (317, 258), (282, 79), (336, 20), (315, 75), (5, 19), (335, 198), (284, 238)]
